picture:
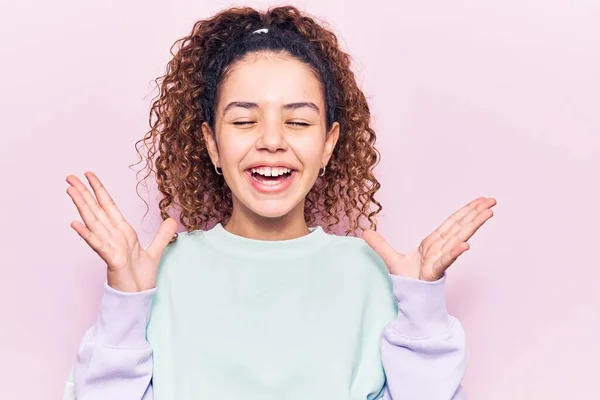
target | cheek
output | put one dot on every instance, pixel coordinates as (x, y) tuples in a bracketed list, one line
[(232, 149), (309, 150)]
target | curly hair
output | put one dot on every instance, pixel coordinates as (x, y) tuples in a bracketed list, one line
[(188, 94)]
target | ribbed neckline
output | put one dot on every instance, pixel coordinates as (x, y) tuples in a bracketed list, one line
[(240, 246)]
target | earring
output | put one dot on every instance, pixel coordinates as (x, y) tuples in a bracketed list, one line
[(323, 173), (217, 170)]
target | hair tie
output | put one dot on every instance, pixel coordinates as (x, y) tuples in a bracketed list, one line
[(262, 30)]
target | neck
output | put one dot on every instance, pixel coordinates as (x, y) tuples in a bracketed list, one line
[(246, 223)]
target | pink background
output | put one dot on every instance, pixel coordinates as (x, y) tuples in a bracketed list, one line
[(470, 98)]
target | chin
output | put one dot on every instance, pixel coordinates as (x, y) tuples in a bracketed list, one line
[(272, 201), (272, 208)]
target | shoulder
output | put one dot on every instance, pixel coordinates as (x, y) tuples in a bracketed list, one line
[(364, 271), (186, 242), (188, 246), (357, 257), (354, 247)]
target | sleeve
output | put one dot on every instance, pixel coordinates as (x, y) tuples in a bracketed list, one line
[(423, 350), (114, 360)]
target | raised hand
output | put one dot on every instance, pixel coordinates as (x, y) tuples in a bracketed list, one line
[(438, 250), (130, 267)]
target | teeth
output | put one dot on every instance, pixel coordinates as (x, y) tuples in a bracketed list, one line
[(267, 183), (269, 171)]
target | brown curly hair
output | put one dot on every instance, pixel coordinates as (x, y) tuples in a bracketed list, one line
[(175, 146)]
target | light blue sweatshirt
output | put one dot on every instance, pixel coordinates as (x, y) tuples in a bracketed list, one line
[(317, 317)]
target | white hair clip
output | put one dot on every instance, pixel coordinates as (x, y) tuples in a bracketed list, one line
[(263, 30)]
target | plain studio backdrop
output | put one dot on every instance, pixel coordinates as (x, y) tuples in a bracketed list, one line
[(470, 98)]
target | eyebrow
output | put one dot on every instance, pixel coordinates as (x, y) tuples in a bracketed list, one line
[(289, 106)]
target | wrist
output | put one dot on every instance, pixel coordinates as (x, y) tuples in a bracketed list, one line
[(122, 281)]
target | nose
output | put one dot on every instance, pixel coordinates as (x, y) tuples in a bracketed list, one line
[(271, 137)]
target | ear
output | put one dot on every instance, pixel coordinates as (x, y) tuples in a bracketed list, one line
[(211, 144), (330, 141)]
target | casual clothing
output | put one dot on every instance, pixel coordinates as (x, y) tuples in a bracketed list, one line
[(316, 317)]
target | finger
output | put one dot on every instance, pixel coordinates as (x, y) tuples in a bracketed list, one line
[(445, 227), (381, 246), (447, 259), (163, 237), (92, 240), (91, 201), (90, 218), (109, 206), (468, 228), (438, 237), (451, 238), (467, 218)]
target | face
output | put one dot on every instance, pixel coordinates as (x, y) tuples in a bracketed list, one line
[(270, 131)]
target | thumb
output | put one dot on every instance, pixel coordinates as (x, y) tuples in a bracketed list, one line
[(163, 237), (381, 247)]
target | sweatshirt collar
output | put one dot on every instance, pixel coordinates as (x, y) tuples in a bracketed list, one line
[(230, 243)]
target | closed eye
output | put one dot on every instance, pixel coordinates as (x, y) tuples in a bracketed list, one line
[(293, 123)]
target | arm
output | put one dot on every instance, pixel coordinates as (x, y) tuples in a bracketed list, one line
[(114, 360), (424, 350)]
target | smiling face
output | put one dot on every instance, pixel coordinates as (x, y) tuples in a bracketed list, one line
[(271, 134)]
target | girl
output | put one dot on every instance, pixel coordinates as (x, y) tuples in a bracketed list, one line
[(261, 128)]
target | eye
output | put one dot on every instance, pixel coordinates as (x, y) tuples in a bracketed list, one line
[(243, 123), (298, 124)]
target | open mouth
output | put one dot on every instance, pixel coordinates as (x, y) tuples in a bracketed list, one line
[(270, 178)]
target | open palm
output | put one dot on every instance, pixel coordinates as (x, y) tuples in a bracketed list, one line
[(441, 248), (131, 268)]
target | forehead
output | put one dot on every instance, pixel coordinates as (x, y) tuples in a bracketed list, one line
[(270, 78)]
